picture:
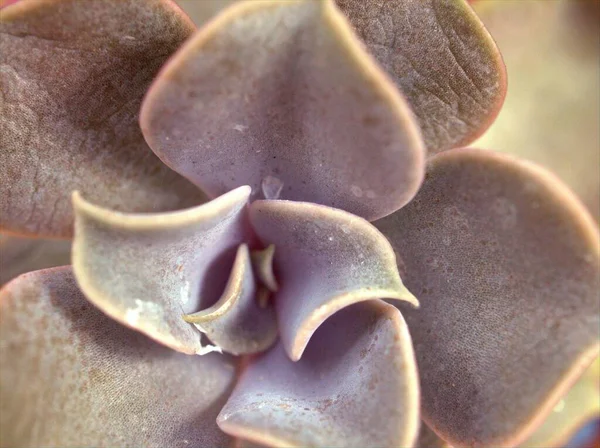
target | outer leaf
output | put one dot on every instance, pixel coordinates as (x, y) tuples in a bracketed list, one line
[(441, 57), (552, 112), (326, 260), (356, 386), (572, 412), (72, 76), (236, 323), (505, 261), (147, 271), (70, 376), (21, 255), (282, 91), (580, 405)]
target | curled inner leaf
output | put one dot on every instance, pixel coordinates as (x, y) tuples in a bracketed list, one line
[(263, 296), (147, 270), (327, 259), (262, 261), (237, 323)]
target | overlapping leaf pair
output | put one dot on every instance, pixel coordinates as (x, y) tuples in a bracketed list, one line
[(279, 99)]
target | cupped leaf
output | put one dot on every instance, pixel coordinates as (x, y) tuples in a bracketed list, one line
[(505, 262), (326, 259), (356, 386), (147, 271), (236, 323), (443, 60), (72, 77), (282, 92), (551, 52), (71, 376), (20, 255)]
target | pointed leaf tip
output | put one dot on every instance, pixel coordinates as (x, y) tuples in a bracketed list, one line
[(144, 269), (237, 323), (327, 259)]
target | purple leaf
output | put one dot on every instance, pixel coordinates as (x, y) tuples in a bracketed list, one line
[(147, 271), (281, 94), (356, 386), (70, 376), (72, 79), (326, 259), (505, 262), (443, 60), (236, 323), (20, 255)]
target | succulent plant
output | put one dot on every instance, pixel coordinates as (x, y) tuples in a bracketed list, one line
[(292, 245)]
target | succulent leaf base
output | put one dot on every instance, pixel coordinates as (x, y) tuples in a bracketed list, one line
[(279, 236)]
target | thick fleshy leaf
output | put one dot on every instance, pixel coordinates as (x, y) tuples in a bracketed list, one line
[(71, 376), (236, 323), (551, 52), (443, 60), (505, 262), (20, 255), (147, 271), (72, 78), (571, 413), (326, 259), (282, 92), (262, 261), (356, 386)]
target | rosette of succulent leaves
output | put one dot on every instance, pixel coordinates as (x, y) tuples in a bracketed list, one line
[(280, 237)]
